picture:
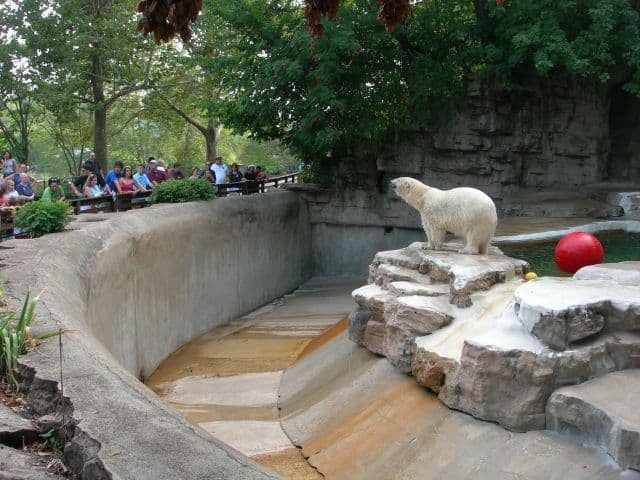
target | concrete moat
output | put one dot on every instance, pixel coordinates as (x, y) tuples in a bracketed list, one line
[(131, 288), (286, 387), (227, 381)]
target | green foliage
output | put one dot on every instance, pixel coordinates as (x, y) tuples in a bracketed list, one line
[(14, 338), (252, 67), (598, 39), (186, 190), (39, 217), (339, 93)]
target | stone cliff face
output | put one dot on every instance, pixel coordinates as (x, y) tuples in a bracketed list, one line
[(541, 135)]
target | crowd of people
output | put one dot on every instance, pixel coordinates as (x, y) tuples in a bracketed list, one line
[(16, 186)]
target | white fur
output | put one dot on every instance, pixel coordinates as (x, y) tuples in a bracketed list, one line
[(465, 212)]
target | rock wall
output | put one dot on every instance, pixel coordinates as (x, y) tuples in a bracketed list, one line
[(540, 135)]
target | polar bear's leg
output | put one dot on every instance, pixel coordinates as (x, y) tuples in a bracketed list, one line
[(438, 235), (472, 246), (428, 231), (483, 247)]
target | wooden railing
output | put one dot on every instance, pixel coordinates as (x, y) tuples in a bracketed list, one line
[(247, 187), (122, 202), (119, 203)]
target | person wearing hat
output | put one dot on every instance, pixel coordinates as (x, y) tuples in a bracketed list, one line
[(53, 191), (155, 175)]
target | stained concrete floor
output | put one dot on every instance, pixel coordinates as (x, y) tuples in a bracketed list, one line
[(227, 381)]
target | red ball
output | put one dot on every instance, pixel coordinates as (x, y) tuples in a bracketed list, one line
[(576, 250)]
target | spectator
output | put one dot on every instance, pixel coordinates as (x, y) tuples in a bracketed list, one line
[(92, 164), (208, 175), (22, 168), (260, 174), (127, 184), (24, 188), (250, 174), (149, 164), (175, 172), (53, 191), (219, 171), (235, 176), (156, 175), (113, 176), (9, 165), (77, 186), (92, 189), (195, 172), (207, 167), (4, 201), (142, 178), (10, 196)]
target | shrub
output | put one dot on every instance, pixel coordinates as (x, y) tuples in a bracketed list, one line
[(187, 190), (14, 338), (42, 217)]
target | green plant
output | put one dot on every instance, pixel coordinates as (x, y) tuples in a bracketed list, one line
[(14, 338), (50, 440), (42, 217), (187, 190)]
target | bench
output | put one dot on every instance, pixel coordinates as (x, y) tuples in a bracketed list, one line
[(110, 204), (92, 205)]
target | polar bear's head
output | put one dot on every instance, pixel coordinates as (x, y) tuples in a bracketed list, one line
[(404, 186)]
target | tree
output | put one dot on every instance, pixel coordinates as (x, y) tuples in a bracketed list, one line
[(80, 55), (342, 92), (16, 102)]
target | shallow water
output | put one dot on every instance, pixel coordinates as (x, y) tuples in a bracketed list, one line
[(619, 246)]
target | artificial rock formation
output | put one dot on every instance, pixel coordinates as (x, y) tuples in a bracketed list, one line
[(486, 342)]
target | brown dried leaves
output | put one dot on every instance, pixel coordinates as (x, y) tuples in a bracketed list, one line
[(168, 18), (390, 12)]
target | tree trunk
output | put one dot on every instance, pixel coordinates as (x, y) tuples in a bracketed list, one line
[(99, 113), (212, 141), (211, 135)]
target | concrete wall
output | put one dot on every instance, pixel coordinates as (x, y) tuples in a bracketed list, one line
[(172, 273), (130, 288), (349, 249)]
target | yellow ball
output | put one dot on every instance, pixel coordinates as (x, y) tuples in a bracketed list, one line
[(531, 276)]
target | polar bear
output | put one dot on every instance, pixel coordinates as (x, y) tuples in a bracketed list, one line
[(464, 211)]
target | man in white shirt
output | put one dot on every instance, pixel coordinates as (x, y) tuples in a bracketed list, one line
[(220, 171)]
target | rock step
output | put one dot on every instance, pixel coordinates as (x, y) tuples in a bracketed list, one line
[(560, 205), (384, 274), (629, 201), (15, 430), (604, 412), (402, 289)]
